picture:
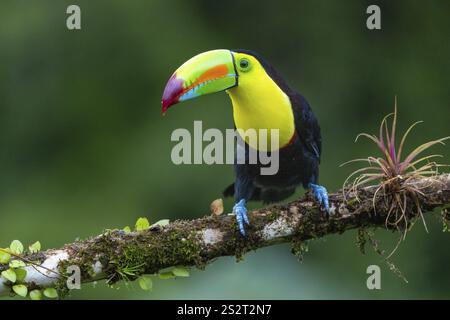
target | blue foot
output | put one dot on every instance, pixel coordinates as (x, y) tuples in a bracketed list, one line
[(321, 195), (240, 211)]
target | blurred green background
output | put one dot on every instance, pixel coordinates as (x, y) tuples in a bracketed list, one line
[(83, 146)]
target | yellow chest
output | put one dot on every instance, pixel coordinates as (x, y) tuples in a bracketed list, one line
[(262, 105)]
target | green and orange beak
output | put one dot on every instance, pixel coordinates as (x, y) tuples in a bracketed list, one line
[(208, 72)]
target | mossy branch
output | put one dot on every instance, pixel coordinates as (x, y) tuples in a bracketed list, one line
[(198, 242)]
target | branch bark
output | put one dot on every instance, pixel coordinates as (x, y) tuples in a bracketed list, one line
[(199, 241)]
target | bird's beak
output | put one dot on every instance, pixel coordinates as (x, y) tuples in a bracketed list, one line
[(208, 72)]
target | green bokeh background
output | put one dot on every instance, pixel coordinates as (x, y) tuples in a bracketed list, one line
[(83, 146)]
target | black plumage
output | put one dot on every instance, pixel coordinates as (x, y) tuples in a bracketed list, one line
[(298, 161)]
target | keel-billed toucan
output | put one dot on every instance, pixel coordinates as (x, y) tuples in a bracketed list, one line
[(261, 100)]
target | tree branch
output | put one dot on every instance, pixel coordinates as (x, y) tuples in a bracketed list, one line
[(197, 242)]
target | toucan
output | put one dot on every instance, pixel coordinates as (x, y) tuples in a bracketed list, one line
[(261, 99)]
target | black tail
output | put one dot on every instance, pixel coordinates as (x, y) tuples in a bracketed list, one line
[(229, 191)]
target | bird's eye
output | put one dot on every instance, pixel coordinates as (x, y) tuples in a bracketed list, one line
[(244, 64)]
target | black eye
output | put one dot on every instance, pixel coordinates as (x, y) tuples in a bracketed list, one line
[(243, 63)]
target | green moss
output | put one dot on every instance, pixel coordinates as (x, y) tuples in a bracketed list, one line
[(351, 202), (61, 288), (147, 253), (299, 248), (243, 245), (127, 256), (271, 217), (445, 217), (361, 240)]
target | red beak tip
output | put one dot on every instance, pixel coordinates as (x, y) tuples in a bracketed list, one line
[(165, 105)]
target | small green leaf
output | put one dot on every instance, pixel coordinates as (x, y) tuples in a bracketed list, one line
[(142, 224), (162, 223), (166, 275), (20, 274), (145, 283), (127, 229), (51, 293), (9, 275), (16, 247), (20, 289), (35, 247), (17, 264), (4, 257), (36, 294), (180, 271)]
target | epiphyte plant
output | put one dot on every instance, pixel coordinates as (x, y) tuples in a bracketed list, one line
[(394, 173)]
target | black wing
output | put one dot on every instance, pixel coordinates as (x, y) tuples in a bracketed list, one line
[(306, 124)]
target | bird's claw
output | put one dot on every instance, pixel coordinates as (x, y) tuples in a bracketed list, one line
[(240, 211), (321, 195)]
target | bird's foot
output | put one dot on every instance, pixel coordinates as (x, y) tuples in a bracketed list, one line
[(240, 211), (321, 195)]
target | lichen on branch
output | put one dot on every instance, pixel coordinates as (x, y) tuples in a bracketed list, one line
[(165, 249)]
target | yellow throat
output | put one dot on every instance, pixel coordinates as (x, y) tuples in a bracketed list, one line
[(258, 103)]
